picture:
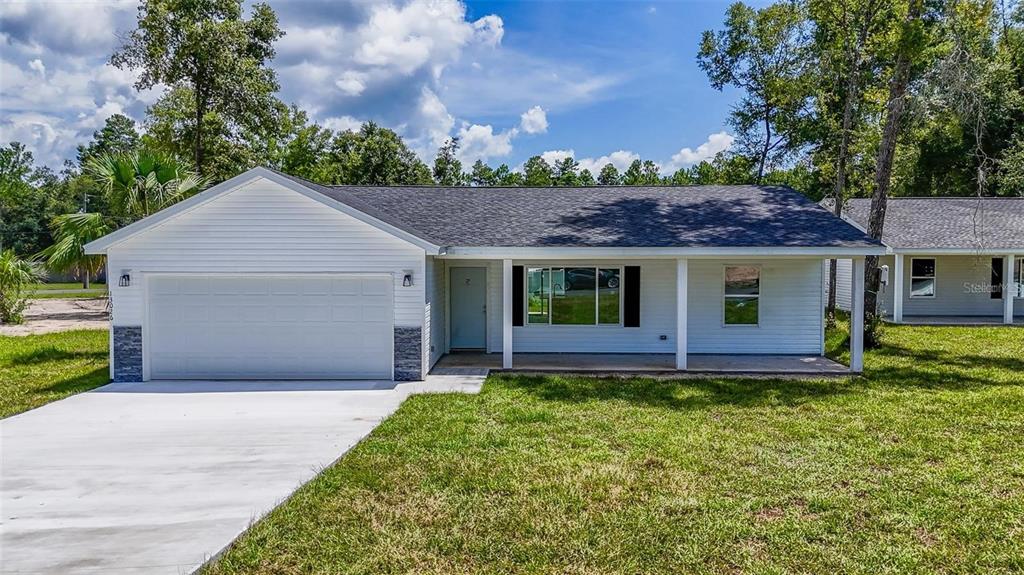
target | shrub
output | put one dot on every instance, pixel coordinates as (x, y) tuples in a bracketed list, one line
[(16, 278)]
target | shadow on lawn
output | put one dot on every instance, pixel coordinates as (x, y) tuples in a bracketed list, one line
[(53, 353), (678, 394), (945, 358), (85, 382)]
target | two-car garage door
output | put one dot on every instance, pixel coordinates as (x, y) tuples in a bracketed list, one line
[(269, 327)]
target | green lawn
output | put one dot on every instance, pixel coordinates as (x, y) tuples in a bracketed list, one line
[(918, 467), (67, 286), (42, 290), (38, 369)]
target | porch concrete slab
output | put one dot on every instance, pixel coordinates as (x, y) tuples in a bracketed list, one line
[(649, 362), (158, 477), (959, 320)]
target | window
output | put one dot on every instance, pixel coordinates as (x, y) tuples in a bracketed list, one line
[(742, 295), (922, 277), (573, 296)]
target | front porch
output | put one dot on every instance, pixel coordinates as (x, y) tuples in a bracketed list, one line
[(653, 363)]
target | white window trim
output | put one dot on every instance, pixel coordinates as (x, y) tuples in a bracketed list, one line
[(934, 277), (724, 296), (597, 295)]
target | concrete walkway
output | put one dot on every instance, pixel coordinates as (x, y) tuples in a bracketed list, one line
[(156, 477)]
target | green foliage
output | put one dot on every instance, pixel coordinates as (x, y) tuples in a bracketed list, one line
[(67, 253), (765, 53), (117, 136), (29, 197), (537, 172), (641, 173), (373, 156), (447, 167), (483, 175), (143, 182), (566, 172), (609, 176), (16, 278), (207, 47)]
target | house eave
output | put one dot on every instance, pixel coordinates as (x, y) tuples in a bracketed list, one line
[(957, 251), (465, 252)]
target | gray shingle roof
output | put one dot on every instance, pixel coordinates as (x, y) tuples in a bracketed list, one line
[(603, 216), (971, 223)]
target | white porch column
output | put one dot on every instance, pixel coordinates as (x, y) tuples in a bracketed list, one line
[(897, 290), (857, 317), (506, 314), (682, 313), (1008, 291)]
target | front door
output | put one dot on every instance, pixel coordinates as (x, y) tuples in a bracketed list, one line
[(469, 308)]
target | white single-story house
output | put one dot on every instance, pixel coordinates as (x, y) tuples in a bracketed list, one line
[(949, 259), (267, 276)]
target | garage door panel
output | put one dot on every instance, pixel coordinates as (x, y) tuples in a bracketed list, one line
[(252, 327)]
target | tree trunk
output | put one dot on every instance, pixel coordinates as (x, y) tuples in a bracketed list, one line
[(200, 112), (767, 146), (839, 193), (895, 107)]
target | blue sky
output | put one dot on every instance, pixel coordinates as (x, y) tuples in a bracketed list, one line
[(602, 81)]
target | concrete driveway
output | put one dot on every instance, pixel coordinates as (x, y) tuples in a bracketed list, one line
[(157, 477)]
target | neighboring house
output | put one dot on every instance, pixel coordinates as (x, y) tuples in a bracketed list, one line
[(949, 259), (268, 276)]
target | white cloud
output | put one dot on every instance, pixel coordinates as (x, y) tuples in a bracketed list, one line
[(534, 120), (687, 157), (342, 123), (351, 83), (621, 159), (553, 156), (37, 66), (489, 30), (478, 142)]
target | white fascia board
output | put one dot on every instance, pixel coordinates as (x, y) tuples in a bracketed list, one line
[(957, 251), (101, 245), (638, 252)]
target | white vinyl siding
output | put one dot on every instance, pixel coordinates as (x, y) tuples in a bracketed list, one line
[(959, 289), (791, 312), (263, 227), (790, 309), (436, 297)]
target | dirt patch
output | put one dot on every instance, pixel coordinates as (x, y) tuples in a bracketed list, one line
[(50, 315)]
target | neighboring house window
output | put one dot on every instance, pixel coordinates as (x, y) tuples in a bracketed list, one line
[(573, 296), (922, 277), (742, 295)]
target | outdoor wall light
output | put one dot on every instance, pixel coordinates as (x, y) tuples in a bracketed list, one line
[(407, 279), (126, 279)]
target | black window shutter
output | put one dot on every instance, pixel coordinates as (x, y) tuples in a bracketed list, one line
[(518, 295), (631, 297), (997, 279)]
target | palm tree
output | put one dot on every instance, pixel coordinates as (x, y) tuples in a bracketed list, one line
[(67, 253), (143, 182), (16, 278)]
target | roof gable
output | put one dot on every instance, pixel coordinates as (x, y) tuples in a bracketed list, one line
[(101, 245)]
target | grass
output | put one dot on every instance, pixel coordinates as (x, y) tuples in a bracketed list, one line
[(41, 290), (914, 468), (67, 286), (38, 369)]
